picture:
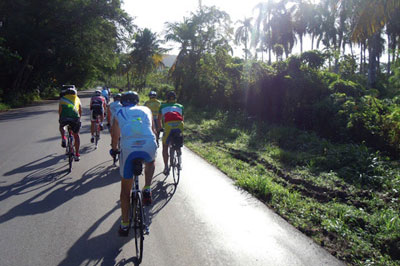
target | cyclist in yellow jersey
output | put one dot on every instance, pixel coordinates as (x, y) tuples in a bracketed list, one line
[(171, 113), (70, 112), (154, 106)]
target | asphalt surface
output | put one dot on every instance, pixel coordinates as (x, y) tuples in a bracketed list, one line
[(51, 217)]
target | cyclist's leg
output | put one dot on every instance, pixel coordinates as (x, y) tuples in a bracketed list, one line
[(92, 122), (126, 185), (126, 173), (62, 132), (76, 126), (148, 173), (165, 141)]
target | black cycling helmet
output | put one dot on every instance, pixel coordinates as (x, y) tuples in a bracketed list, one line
[(117, 97), (152, 94), (129, 98), (70, 91), (171, 95)]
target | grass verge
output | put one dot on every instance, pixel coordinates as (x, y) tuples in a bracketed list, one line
[(344, 196)]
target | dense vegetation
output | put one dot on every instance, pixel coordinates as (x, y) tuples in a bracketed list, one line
[(44, 44), (330, 114)]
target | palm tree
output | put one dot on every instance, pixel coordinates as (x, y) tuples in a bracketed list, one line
[(372, 17), (263, 27), (242, 34), (146, 55), (302, 16), (282, 30)]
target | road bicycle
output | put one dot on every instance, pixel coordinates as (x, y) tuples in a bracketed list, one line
[(136, 213), (97, 131), (175, 155), (70, 151)]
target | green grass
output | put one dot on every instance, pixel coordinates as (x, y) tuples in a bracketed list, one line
[(4, 107), (344, 196)]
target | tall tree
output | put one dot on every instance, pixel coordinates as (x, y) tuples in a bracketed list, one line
[(243, 34), (371, 18), (146, 55), (60, 41)]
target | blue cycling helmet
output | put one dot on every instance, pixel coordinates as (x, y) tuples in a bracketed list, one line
[(153, 94), (129, 98)]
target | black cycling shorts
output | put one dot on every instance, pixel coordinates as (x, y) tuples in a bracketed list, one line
[(75, 123), (96, 110)]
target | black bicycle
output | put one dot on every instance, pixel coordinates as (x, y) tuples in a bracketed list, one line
[(175, 155), (97, 131), (70, 151), (136, 214)]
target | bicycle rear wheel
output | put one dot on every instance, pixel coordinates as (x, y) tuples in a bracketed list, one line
[(174, 166), (138, 225), (96, 138), (70, 152)]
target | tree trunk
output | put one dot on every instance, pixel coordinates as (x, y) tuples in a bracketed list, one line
[(17, 82), (312, 41), (371, 67), (361, 59), (301, 44), (388, 63)]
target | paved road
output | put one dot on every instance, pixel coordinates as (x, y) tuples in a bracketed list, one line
[(50, 217)]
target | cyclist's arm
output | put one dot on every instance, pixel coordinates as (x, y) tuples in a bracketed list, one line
[(80, 110), (159, 121), (108, 114), (115, 135), (59, 109), (153, 127)]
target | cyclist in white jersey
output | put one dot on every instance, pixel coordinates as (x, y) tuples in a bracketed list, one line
[(134, 126), (112, 109)]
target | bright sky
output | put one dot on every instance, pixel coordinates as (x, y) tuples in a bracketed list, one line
[(153, 14)]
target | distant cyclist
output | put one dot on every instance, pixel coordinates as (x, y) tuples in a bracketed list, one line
[(133, 124), (106, 94), (171, 113), (154, 106), (112, 108), (70, 112), (97, 108)]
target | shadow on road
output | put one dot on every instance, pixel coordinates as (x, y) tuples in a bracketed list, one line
[(57, 191), (101, 249), (23, 113), (162, 193), (39, 164)]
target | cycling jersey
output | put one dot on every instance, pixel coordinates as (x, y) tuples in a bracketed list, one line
[(105, 94), (154, 106), (137, 138), (171, 112), (114, 106), (97, 102), (70, 105)]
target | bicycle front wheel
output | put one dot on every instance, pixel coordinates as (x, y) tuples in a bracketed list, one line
[(70, 155), (138, 226)]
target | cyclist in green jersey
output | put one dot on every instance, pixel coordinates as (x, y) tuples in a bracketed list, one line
[(70, 112)]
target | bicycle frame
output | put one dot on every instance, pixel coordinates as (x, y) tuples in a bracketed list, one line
[(136, 216), (70, 147), (97, 130)]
